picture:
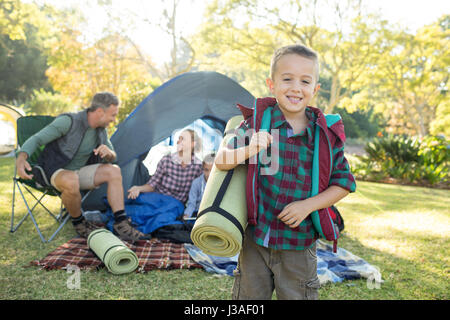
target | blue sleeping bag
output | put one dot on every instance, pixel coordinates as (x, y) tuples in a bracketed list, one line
[(150, 211)]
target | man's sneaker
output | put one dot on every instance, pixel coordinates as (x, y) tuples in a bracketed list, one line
[(125, 231), (84, 228)]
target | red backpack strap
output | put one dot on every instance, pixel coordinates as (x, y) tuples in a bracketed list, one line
[(323, 148)]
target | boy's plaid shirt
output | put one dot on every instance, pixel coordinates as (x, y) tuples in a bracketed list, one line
[(172, 179), (291, 183)]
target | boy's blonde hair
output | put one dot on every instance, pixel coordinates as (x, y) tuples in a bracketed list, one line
[(299, 49), (209, 158)]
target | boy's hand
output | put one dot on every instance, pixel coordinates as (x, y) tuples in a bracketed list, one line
[(260, 140), (294, 213)]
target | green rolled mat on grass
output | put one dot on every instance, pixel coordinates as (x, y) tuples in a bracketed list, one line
[(116, 256), (222, 218)]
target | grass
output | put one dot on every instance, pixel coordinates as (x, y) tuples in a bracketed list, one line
[(402, 230)]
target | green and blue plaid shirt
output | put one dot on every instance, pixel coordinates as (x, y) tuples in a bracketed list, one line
[(292, 182)]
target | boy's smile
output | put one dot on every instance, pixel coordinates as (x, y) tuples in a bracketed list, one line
[(294, 84)]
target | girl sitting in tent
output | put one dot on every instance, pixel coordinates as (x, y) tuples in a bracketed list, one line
[(175, 172)]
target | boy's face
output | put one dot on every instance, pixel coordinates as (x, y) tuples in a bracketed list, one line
[(207, 169), (294, 84)]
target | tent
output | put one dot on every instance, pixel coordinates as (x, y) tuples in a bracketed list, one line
[(181, 101), (8, 129)]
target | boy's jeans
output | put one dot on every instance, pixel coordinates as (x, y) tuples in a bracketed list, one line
[(292, 273)]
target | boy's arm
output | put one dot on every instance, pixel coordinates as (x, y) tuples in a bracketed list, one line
[(227, 159), (192, 200), (295, 212)]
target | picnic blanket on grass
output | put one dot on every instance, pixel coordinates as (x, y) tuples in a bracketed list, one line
[(331, 267), (152, 254)]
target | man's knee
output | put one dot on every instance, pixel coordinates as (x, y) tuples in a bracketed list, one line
[(68, 182), (112, 172)]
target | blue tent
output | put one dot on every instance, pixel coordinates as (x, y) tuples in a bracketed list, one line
[(209, 96), (8, 128)]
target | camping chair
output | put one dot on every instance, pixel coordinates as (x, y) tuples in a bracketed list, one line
[(26, 127)]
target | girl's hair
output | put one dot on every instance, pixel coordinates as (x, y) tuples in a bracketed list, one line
[(196, 140)]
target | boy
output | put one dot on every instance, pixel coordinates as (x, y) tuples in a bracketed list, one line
[(279, 250), (198, 187)]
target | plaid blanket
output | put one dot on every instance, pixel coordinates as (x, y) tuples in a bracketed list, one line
[(331, 267), (152, 254)]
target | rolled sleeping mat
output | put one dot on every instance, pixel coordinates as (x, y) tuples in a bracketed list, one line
[(116, 256), (222, 218)]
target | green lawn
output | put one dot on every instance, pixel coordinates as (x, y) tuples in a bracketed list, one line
[(402, 230)]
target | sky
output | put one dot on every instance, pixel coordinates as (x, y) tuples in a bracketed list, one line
[(410, 14)]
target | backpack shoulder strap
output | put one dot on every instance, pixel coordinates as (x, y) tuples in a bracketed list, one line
[(331, 120), (266, 119), (315, 217)]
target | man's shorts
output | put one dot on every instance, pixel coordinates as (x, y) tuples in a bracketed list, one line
[(85, 174)]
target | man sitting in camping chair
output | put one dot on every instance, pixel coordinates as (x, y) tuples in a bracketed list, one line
[(78, 155)]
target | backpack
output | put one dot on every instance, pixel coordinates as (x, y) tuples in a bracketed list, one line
[(327, 222)]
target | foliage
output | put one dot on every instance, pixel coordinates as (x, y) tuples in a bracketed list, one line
[(150, 18), (365, 62), (435, 159), (249, 45), (48, 103), (407, 159), (135, 95), (79, 71), (411, 79), (441, 123), (23, 60), (361, 123), (14, 17), (367, 66)]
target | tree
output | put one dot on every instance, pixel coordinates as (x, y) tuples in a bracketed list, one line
[(23, 61), (22, 67), (165, 17), (13, 15), (412, 78), (79, 71), (48, 103), (346, 50)]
